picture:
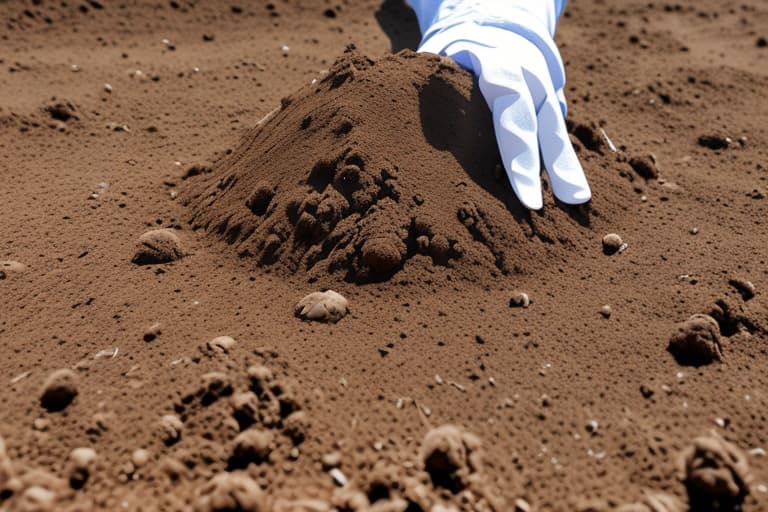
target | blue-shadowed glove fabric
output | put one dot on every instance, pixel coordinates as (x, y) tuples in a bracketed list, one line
[(509, 46)]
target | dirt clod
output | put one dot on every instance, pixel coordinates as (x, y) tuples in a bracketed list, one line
[(697, 341), (158, 246), (715, 471), (59, 389), (327, 306)]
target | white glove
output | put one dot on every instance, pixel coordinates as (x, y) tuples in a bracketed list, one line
[(509, 46)]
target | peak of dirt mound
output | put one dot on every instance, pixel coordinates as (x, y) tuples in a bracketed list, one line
[(380, 168)]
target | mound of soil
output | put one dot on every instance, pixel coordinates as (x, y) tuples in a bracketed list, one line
[(380, 166)]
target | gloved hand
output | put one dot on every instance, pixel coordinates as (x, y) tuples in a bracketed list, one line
[(509, 46)]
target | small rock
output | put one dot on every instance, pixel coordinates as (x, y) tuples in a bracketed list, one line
[(79, 466), (339, 478), (331, 460), (231, 491), (522, 506), (158, 246), (744, 287), (252, 445), (715, 472), (222, 344), (140, 457), (519, 300), (171, 427), (153, 331), (612, 243), (697, 341), (645, 166), (606, 311), (36, 498), (59, 390), (327, 306)]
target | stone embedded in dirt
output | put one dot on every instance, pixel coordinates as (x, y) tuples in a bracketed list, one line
[(450, 455), (227, 492), (245, 408), (170, 428), (36, 498), (645, 166), (519, 300), (714, 141), (606, 311), (744, 287), (222, 344), (252, 445), (158, 246), (153, 331), (59, 389), (79, 466), (522, 506), (140, 457), (8, 267), (327, 306), (296, 426), (697, 341), (331, 460), (612, 243), (715, 472)]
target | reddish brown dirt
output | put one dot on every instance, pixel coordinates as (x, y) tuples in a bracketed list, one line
[(570, 407)]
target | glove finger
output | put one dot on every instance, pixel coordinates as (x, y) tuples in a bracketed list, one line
[(569, 184), (514, 119)]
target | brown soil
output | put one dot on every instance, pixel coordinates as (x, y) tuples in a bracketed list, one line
[(379, 181)]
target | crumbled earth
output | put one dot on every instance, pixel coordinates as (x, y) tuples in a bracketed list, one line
[(378, 180)]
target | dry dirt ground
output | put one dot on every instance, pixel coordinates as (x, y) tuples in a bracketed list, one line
[(560, 406)]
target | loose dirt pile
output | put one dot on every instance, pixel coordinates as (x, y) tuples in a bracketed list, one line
[(382, 166)]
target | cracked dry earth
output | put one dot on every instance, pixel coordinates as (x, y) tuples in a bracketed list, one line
[(179, 180)]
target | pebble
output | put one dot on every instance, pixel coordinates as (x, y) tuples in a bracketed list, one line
[(339, 478), (744, 287), (331, 460), (696, 341), (222, 344), (171, 427), (230, 491), (79, 467), (158, 246), (153, 331), (107, 88), (140, 457), (612, 243), (522, 506), (606, 311), (327, 306), (519, 300), (37, 498), (59, 390)]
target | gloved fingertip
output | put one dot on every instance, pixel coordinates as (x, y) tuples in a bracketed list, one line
[(578, 195)]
